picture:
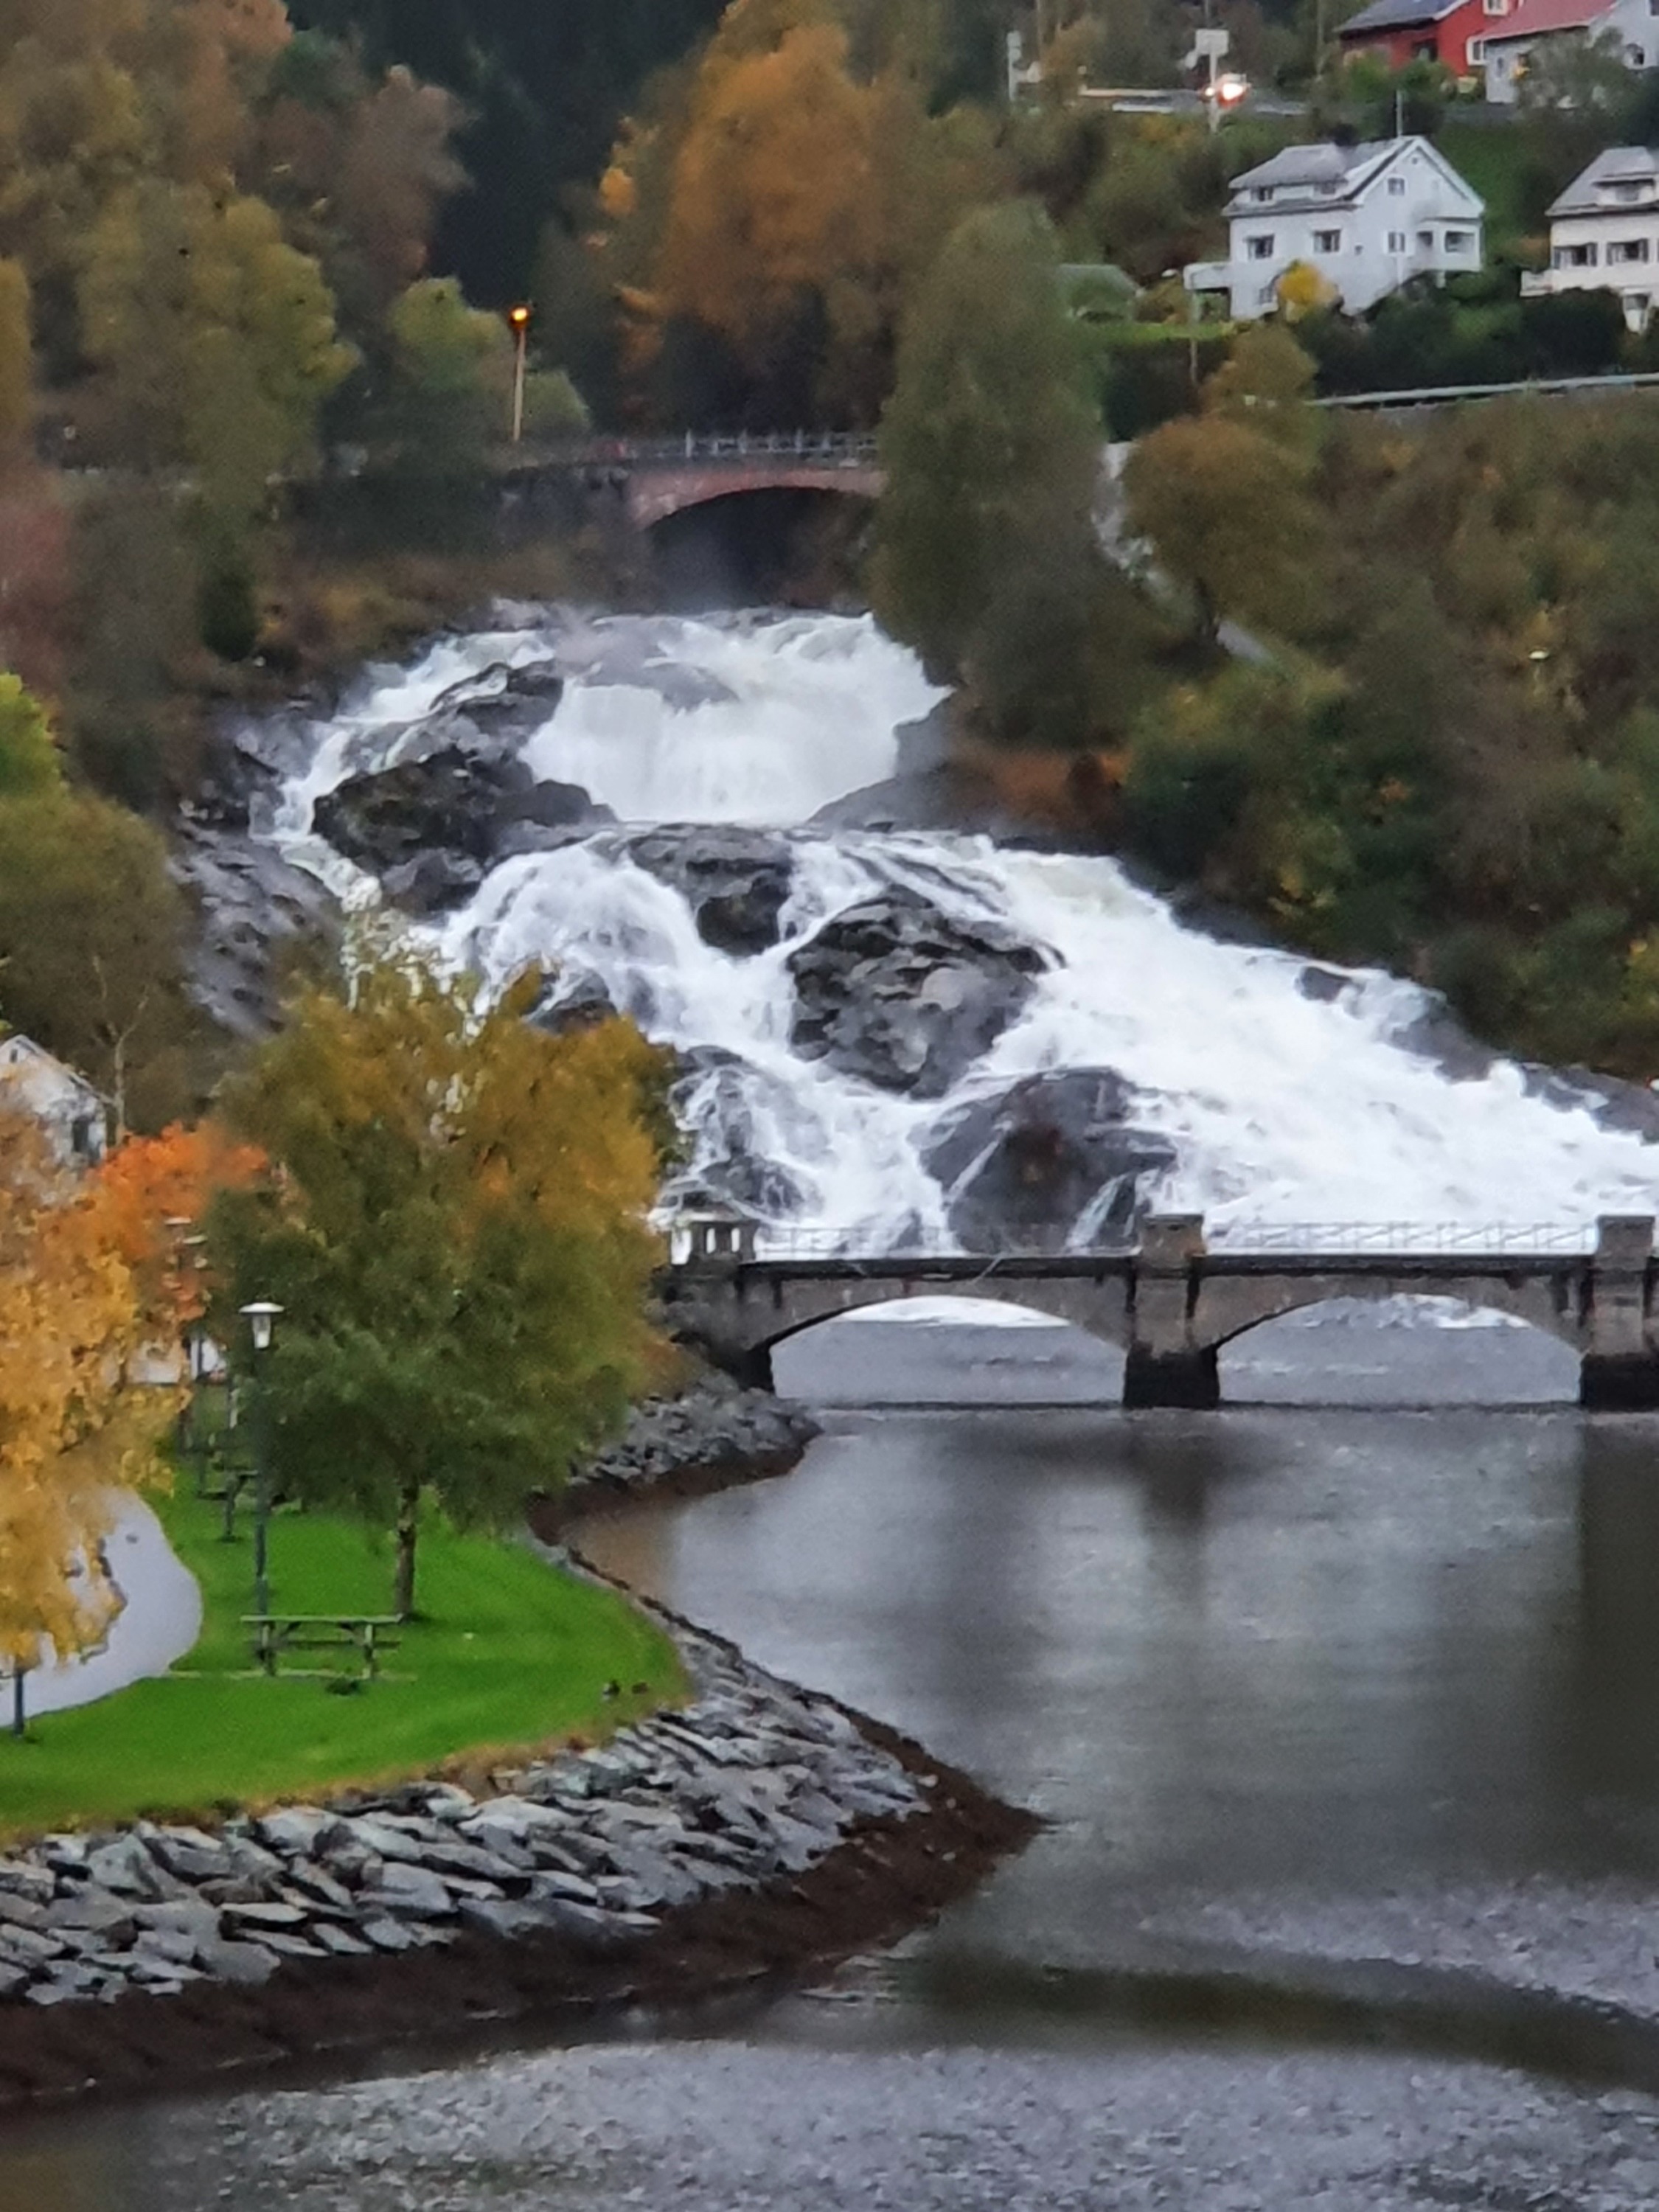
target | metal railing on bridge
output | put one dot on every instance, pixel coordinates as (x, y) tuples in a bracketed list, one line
[(842, 447), (789, 1244)]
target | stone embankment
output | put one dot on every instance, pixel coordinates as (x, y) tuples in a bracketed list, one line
[(707, 1436), (753, 1783)]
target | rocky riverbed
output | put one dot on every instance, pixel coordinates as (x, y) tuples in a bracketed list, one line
[(757, 1827)]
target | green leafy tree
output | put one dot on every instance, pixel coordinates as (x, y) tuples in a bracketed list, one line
[(459, 1235), (990, 443), (452, 372)]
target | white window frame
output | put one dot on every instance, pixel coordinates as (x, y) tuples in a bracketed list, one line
[(1260, 247), (1396, 242), (1327, 241), (1397, 187)]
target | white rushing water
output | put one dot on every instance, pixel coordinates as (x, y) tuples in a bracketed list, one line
[(1281, 1106)]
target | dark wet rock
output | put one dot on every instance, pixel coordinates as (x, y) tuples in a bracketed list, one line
[(1323, 985), (1025, 1167), (712, 1424), (1437, 1035), (432, 882), (452, 802), (504, 705), (735, 881), (256, 912), (1610, 1102), (897, 994), (573, 999)]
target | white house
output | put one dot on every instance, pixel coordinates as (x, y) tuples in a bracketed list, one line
[(1369, 218), (1627, 30), (1604, 234), (69, 1109)]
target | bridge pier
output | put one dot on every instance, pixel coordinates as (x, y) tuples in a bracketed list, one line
[(1189, 1380), (1619, 1373), (1164, 1365)]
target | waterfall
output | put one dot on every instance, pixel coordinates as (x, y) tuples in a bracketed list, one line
[(1280, 1095)]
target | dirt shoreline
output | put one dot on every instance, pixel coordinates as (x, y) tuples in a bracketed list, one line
[(886, 1878)]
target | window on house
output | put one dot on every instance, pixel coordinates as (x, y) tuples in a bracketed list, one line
[(1327, 241), (1426, 241), (1636, 57), (1630, 193), (1267, 296), (1261, 247), (1628, 249), (1459, 241), (1396, 242), (1573, 257), (80, 1136), (1476, 50), (1397, 187), (1264, 193), (1498, 7)]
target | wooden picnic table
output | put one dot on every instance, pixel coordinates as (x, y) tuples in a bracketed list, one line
[(367, 1634)]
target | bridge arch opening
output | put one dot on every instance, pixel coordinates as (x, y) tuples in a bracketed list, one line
[(944, 1351), (772, 546), (1398, 1350)]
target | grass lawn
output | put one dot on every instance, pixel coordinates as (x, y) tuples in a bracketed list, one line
[(508, 1653), (1489, 156)]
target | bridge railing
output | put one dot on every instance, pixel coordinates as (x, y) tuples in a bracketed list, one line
[(842, 447), (1414, 1236), (804, 1245)]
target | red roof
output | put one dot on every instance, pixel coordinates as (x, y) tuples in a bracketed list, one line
[(1531, 19)]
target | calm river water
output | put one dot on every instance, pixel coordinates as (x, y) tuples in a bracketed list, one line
[(1346, 1727)]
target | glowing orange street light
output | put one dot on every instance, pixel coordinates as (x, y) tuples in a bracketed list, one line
[(518, 322)]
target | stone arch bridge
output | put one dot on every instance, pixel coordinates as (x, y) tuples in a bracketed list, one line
[(653, 478), (1172, 1304)]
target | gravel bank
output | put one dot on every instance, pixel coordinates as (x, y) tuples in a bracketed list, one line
[(757, 1831)]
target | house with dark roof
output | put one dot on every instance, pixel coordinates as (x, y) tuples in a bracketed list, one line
[(1450, 32), (1369, 218), (1627, 30), (1604, 234)]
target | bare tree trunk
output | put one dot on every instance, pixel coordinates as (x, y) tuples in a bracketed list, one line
[(409, 1507)]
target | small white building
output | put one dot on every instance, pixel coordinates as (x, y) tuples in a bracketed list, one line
[(72, 1113), (1369, 218), (1604, 234), (1627, 30)]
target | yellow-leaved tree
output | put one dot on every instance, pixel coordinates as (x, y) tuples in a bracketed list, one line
[(458, 1230), (69, 1433)]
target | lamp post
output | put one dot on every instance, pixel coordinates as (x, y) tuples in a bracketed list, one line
[(518, 319), (261, 1314)]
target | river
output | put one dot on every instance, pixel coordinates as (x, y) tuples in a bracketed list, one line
[(1340, 1704), (1343, 1724)]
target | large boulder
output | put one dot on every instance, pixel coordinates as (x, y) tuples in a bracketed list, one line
[(1054, 1159), (431, 825), (735, 881), (900, 996), (499, 706)]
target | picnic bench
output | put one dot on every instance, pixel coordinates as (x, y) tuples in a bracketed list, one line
[(365, 1634)]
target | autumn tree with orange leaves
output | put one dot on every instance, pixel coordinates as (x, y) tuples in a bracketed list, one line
[(69, 1320)]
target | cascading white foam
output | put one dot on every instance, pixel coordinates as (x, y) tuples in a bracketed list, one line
[(1281, 1106)]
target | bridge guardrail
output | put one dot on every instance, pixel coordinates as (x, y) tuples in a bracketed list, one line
[(842, 447), (784, 1242)]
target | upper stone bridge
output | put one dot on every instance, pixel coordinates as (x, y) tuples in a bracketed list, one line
[(655, 477), (1172, 1302)]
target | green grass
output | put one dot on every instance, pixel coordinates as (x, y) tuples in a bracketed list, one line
[(508, 1653), (1491, 157)]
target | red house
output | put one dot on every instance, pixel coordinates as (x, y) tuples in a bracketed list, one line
[(1450, 31)]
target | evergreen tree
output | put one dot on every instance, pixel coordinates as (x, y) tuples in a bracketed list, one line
[(990, 443)]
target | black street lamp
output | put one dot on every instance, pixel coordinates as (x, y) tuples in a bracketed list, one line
[(261, 1314)]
